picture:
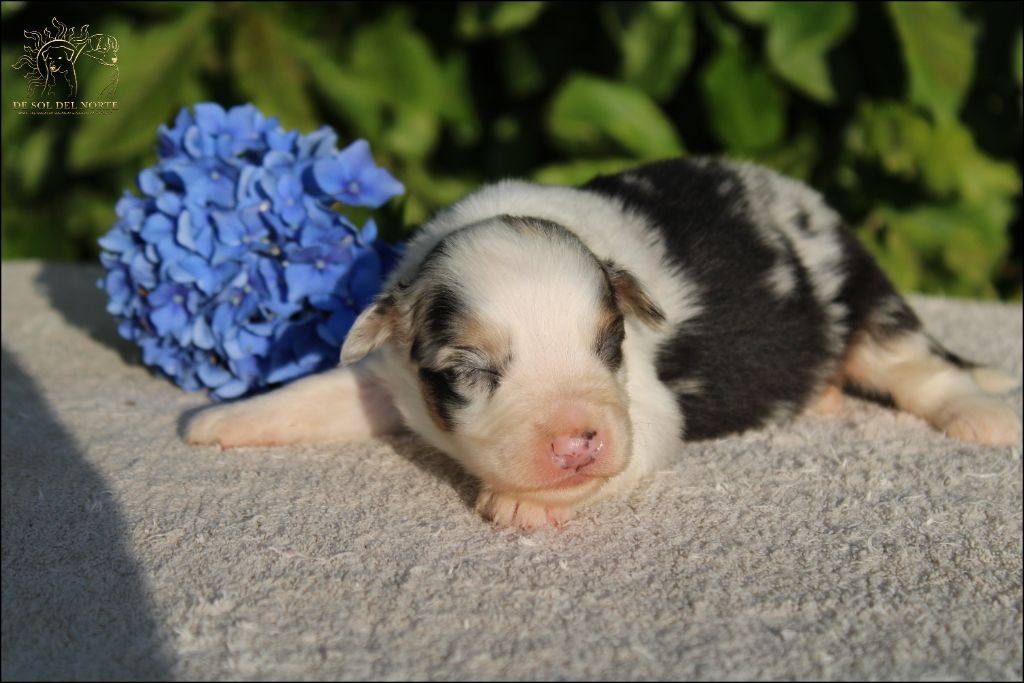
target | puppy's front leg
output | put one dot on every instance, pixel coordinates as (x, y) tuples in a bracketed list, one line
[(344, 404)]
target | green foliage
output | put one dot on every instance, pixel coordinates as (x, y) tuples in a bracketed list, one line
[(486, 19), (172, 60), (745, 105), (800, 36), (656, 40), (938, 48), (907, 116), (591, 113)]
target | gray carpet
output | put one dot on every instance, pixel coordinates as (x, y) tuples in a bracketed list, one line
[(859, 547)]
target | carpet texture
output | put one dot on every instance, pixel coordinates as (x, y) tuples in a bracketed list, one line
[(860, 547)]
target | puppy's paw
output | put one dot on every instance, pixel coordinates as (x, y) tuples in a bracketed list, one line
[(992, 381), (508, 511), (227, 427), (828, 402), (979, 419)]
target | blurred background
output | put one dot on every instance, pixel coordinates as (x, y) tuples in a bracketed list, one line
[(907, 116)]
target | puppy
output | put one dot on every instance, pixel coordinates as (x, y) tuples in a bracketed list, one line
[(559, 343)]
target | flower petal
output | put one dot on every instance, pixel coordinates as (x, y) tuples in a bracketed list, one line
[(377, 187), (357, 156), (202, 335), (118, 240), (157, 228), (232, 389), (331, 175), (212, 375), (210, 116), (168, 319), (169, 203), (150, 182)]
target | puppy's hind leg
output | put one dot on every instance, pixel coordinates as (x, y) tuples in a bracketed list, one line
[(928, 381), (344, 404)]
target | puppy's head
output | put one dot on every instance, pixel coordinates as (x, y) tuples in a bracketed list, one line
[(505, 351)]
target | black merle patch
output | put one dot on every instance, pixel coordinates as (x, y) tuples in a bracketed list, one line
[(753, 350), (437, 315), (437, 318), (865, 289), (803, 222), (441, 396)]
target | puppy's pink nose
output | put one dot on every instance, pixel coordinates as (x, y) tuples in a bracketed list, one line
[(574, 452)]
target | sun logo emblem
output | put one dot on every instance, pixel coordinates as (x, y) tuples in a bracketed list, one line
[(52, 59)]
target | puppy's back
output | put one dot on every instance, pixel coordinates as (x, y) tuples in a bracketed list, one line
[(781, 287)]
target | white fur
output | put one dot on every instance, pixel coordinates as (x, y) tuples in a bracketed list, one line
[(604, 225)]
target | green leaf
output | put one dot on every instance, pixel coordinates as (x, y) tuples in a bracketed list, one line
[(154, 67), (394, 75), (456, 103), (974, 259), (965, 241), (11, 7), (439, 190), (953, 163), (412, 134), (725, 33), (590, 114), (427, 192), (943, 156), (482, 19), (927, 228), (800, 34), (796, 157), (892, 133), (746, 109), (898, 258), (938, 49), (354, 98), (579, 172), (656, 42), (266, 71), (13, 88), (753, 12), (396, 60), (523, 74), (33, 157)]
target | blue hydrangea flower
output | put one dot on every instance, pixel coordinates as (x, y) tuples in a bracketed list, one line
[(352, 178), (234, 271)]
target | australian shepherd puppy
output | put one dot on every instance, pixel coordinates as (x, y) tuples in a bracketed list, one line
[(561, 343)]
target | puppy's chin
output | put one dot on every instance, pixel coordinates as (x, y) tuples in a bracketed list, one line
[(570, 492)]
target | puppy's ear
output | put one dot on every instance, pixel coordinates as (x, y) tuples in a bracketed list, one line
[(630, 296), (375, 326)]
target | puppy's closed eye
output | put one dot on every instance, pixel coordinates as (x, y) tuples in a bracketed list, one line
[(470, 368)]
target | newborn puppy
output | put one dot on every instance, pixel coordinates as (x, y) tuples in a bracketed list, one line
[(559, 343)]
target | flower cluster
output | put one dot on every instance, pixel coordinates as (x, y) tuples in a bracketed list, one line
[(235, 270)]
